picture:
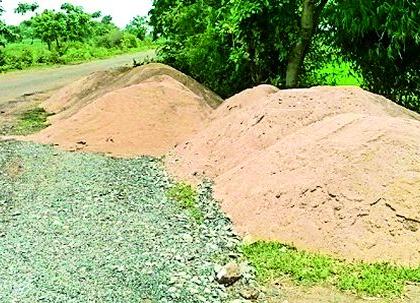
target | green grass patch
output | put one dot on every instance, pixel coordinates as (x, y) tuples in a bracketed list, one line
[(273, 260), (186, 196), (31, 121), (336, 73)]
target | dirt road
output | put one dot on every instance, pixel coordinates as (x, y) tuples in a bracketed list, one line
[(16, 84)]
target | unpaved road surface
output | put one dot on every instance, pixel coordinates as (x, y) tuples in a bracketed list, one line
[(16, 84)]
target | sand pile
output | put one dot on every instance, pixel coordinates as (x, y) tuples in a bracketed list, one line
[(72, 98), (328, 169), (335, 170), (141, 111)]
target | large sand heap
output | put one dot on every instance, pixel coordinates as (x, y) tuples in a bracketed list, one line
[(335, 170), (146, 110)]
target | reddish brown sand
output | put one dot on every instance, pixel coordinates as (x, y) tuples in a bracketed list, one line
[(146, 118), (335, 170)]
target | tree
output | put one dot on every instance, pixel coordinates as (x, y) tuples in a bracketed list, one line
[(50, 27), (78, 23), (24, 8), (382, 38), (311, 11), (5, 32), (138, 27), (248, 42), (104, 27), (69, 24)]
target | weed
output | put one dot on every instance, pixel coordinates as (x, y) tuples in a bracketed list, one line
[(273, 260), (31, 121), (186, 196)]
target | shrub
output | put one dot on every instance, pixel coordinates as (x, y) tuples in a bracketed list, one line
[(76, 55), (26, 57), (43, 57), (111, 40), (129, 41)]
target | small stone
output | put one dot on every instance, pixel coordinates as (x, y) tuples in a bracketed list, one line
[(187, 238), (229, 274), (250, 294), (172, 290)]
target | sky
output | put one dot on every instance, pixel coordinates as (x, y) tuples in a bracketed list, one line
[(122, 11)]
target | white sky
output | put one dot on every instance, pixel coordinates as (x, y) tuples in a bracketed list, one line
[(122, 11)]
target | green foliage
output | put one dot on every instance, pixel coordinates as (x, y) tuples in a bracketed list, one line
[(230, 45), (24, 8), (5, 32), (31, 121), (243, 42), (69, 24), (65, 36), (18, 56), (383, 39), (273, 260), (138, 27), (186, 196), (118, 39)]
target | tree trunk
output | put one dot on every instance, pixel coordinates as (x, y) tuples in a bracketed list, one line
[(57, 43), (309, 23)]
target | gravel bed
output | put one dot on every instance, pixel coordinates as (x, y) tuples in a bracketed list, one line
[(88, 228)]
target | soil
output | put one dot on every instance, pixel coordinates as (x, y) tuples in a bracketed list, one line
[(287, 292), (326, 169), (12, 110)]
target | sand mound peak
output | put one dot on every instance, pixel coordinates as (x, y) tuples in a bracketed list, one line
[(142, 111), (326, 169)]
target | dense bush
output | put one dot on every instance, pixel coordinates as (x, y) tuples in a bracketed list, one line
[(233, 44), (242, 42), (383, 40), (129, 41), (118, 39)]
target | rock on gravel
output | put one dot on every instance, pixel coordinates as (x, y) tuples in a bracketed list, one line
[(229, 274)]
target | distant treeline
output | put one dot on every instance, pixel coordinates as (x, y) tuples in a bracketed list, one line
[(67, 35)]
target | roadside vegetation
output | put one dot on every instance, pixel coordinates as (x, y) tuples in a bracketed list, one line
[(294, 44), (30, 121), (67, 36), (186, 196), (273, 260)]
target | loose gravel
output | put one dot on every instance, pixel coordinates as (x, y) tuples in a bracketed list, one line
[(88, 228)]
